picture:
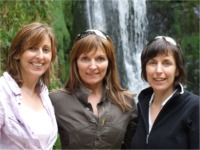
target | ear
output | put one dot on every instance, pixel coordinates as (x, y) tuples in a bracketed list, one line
[(16, 57)]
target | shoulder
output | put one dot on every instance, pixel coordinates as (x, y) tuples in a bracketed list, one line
[(131, 101), (190, 102), (3, 79), (190, 97), (8, 85), (58, 94), (145, 95), (185, 95), (1, 82), (130, 97)]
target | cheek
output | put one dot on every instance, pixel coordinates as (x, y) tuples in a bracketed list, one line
[(24, 56), (23, 60), (81, 68), (149, 71), (104, 68), (49, 57)]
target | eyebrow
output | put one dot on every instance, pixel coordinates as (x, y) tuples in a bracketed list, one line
[(47, 46)]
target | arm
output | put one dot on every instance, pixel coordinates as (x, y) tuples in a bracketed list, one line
[(2, 118), (131, 128), (1, 111), (193, 126)]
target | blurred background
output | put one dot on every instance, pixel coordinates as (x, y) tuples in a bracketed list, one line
[(129, 23)]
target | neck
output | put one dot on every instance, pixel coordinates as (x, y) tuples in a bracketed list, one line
[(96, 93), (160, 97), (96, 88), (29, 82), (29, 90)]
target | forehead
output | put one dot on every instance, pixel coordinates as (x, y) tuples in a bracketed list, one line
[(164, 56), (95, 51), (166, 53), (38, 41), (159, 52)]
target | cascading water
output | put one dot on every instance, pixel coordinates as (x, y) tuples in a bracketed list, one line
[(125, 21), (96, 16)]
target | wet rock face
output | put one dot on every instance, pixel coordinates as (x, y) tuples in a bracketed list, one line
[(159, 21)]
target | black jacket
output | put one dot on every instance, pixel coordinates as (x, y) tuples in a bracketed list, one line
[(176, 126)]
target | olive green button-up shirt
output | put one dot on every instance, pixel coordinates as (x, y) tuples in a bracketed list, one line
[(79, 128)]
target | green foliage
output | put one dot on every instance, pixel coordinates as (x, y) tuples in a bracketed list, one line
[(184, 17), (55, 83), (186, 29), (56, 13), (57, 145), (63, 21), (14, 15), (190, 46)]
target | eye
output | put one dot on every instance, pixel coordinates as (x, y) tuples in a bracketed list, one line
[(100, 59), (46, 50), (167, 63), (84, 59), (151, 62), (32, 48)]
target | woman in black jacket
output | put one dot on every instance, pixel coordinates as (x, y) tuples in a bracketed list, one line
[(168, 114)]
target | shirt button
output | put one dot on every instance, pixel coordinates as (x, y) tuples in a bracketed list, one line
[(87, 108), (93, 120), (99, 138)]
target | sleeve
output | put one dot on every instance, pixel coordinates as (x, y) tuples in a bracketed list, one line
[(193, 125), (1, 111), (131, 128), (53, 97)]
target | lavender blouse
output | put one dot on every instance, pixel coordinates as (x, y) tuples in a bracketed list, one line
[(15, 133)]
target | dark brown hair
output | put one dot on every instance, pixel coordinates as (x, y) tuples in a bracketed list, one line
[(164, 47)]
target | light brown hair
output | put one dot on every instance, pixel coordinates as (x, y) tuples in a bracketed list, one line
[(116, 93), (30, 35)]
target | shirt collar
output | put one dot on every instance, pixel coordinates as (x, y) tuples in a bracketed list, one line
[(165, 101), (182, 89), (82, 94), (12, 83)]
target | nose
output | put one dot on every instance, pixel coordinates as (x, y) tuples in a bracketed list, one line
[(159, 68), (40, 54), (93, 65)]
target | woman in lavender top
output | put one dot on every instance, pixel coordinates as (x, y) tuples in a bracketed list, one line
[(27, 118)]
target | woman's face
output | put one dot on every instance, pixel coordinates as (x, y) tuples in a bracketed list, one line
[(36, 60), (161, 72), (92, 67)]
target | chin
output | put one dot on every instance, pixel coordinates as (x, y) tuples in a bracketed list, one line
[(38, 74)]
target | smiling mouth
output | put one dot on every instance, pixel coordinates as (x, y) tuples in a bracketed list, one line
[(37, 64), (159, 79), (91, 75)]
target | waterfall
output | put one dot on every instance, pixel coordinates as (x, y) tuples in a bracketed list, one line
[(140, 24), (126, 22), (96, 16)]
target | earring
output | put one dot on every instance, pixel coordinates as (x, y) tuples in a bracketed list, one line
[(16, 58)]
